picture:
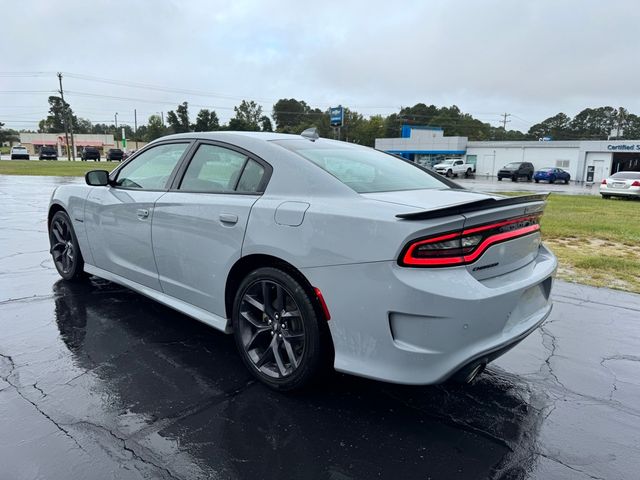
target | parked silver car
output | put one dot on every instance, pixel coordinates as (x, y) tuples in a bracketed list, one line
[(314, 253), (621, 184)]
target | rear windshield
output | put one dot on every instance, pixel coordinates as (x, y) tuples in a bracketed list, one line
[(627, 175), (365, 170)]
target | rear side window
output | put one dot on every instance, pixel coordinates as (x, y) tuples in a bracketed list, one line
[(365, 170), (215, 169)]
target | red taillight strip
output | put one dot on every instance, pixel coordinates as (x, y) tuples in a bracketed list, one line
[(323, 304), (500, 237), (499, 224), (409, 259), (441, 238)]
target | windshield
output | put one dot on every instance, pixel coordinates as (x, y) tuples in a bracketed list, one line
[(512, 165), (447, 162), (22, 149), (365, 170), (627, 175)]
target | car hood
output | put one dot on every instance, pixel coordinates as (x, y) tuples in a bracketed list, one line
[(443, 165), (429, 198)]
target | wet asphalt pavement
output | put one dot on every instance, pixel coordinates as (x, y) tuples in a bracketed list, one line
[(99, 382)]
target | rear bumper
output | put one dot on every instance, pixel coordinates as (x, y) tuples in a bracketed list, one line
[(421, 326), (20, 157), (620, 192)]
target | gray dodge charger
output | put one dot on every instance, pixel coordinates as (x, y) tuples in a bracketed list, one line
[(315, 254)]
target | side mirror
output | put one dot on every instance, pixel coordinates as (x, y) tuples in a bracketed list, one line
[(97, 178)]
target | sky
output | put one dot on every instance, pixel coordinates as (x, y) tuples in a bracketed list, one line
[(531, 59)]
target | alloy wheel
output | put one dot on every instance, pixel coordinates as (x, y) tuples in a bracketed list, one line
[(62, 248), (271, 328)]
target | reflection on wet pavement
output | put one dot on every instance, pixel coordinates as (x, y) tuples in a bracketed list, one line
[(99, 382)]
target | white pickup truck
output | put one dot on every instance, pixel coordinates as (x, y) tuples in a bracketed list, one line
[(452, 167)]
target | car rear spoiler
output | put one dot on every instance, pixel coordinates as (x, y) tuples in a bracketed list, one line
[(485, 204)]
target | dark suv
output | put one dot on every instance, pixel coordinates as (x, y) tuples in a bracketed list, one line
[(90, 153), (516, 170), (114, 154), (48, 153)]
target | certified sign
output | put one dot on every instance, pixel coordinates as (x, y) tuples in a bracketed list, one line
[(336, 116)]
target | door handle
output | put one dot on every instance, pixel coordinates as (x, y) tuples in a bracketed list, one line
[(142, 213), (228, 218)]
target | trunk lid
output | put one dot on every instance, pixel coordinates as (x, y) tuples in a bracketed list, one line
[(510, 238)]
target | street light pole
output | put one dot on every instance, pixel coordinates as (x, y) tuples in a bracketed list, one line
[(116, 132)]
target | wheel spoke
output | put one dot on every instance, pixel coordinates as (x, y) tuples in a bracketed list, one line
[(266, 298), (290, 354), (254, 336), (57, 233), (266, 355), (279, 302), (252, 301), (251, 320), (57, 255), (276, 354), (292, 336)]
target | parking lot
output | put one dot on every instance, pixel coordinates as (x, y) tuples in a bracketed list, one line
[(99, 382)]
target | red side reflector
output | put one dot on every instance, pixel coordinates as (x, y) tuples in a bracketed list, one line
[(636, 184), (604, 181), (323, 304)]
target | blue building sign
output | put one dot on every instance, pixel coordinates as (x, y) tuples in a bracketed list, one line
[(336, 116)]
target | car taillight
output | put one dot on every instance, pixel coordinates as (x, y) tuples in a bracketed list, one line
[(636, 184), (466, 246), (604, 181)]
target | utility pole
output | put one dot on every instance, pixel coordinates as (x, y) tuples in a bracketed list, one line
[(115, 134), (135, 127), (64, 117), (504, 120)]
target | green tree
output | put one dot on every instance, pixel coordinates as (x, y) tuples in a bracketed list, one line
[(265, 124), (54, 123), (155, 128), (248, 115), (557, 127), (594, 123), (179, 120), (289, 113), (82, 125), (206, 121)]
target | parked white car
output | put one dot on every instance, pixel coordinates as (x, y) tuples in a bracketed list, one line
[(452, 167), (19, 153)]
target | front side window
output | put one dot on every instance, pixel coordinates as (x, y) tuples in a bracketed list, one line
[(365, 170), (152, 168), (216, 169)]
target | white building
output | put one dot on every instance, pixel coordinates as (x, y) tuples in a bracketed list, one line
[(585, 160)]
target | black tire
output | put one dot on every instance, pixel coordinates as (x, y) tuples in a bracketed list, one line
[(449, 173), (499, 179), (552, 180), (537, 181), (606, 197), (514, 178), (529, 177), (467, 174), (261, 330), (64, 247), (566, 181)]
